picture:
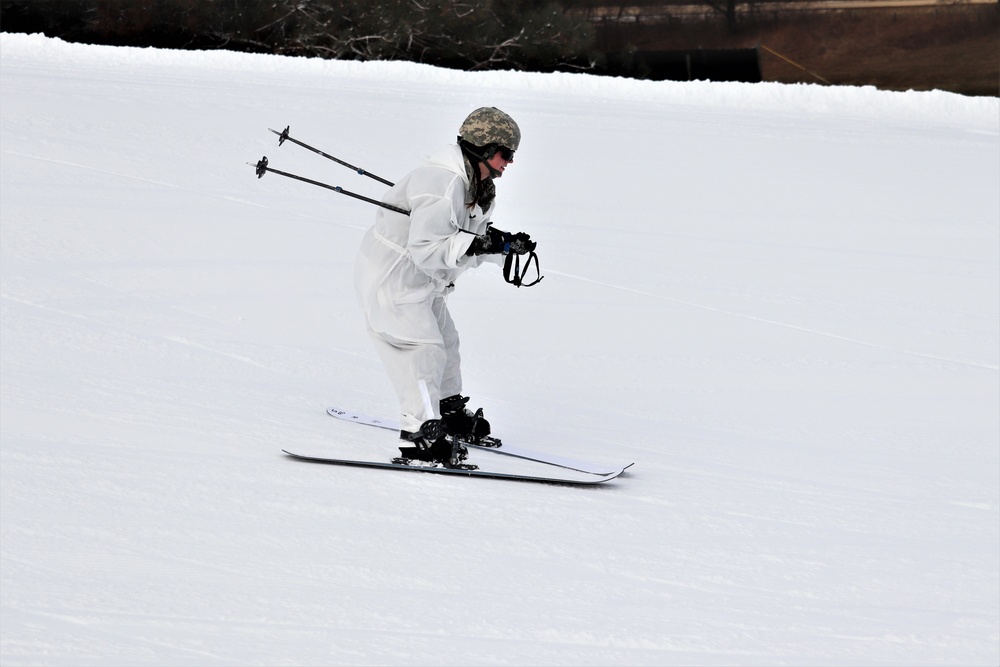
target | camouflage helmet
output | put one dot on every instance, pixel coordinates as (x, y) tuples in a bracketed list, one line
[(489, 126)]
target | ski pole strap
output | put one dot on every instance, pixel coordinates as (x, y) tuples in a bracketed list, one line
[(513, 273)]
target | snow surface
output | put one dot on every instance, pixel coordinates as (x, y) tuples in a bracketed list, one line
[(782, 302)]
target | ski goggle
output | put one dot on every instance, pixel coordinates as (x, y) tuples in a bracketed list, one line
[(506, 153)]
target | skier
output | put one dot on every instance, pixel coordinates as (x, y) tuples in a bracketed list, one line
[(408, 264)]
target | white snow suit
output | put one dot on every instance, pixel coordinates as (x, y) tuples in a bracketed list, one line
[(406, 267)]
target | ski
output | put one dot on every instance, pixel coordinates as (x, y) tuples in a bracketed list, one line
[(505, 449), (553, 479)]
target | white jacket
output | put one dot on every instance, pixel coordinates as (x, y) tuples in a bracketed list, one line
[(408, 260)]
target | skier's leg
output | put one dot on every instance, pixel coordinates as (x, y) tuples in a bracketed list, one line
[(415, 370), (451, 376), (459, 420)]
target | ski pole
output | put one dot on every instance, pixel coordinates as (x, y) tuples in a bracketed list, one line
[(262, 169), (283, 135), (512, 272)]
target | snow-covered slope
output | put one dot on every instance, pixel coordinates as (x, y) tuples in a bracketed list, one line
[(782, 302)]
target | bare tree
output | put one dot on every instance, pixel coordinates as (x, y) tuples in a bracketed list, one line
[(474, 35), (470, 34)]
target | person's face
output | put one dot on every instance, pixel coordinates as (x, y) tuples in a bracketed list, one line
[(499, 162)]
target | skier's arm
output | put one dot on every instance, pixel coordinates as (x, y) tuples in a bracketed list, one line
[(435, 239), (497, 242)]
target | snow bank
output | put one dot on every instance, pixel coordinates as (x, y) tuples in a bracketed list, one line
[(938, 107)]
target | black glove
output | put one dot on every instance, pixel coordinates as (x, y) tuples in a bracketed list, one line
[(497, 242), (521, 244)]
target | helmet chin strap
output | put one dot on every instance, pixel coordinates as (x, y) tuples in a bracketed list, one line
[(484, 157), (493, 172)]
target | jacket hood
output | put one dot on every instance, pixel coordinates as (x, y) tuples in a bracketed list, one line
[(454, 160), (451, 158)]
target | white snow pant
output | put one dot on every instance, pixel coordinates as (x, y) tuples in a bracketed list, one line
[(422, 371)]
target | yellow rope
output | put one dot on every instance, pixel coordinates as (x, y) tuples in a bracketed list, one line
[(769, 50)]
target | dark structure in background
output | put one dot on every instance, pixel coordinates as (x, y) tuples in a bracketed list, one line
[(692, 65)]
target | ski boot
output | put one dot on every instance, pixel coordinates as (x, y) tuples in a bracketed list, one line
[(464, 425), (431, 445)]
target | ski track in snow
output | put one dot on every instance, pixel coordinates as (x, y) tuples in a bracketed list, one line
[(992, 367), (779, 301)]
